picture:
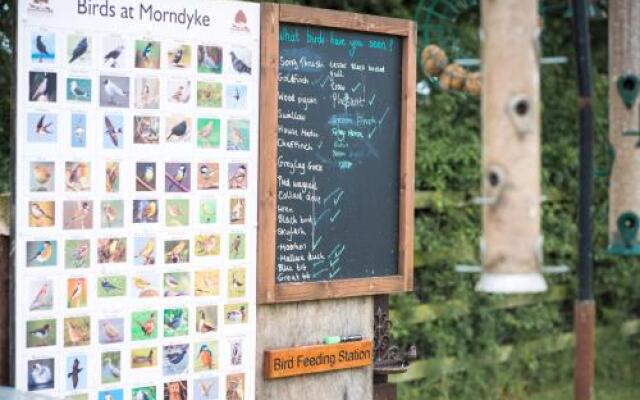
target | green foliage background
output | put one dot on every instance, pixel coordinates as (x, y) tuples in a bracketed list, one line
[(447, 232)]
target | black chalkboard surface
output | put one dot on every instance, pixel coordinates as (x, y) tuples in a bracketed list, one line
[(338, 154)]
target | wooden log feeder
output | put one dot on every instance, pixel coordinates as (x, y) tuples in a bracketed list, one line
[(512, 240), (624, 127)]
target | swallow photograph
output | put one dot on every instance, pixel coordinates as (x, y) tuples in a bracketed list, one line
[(111, 394), (76, 292), (113, 128), (77, 176), (238, 131), (111, 214), (144, 325), (206, 388), (209, 59), (114, 91), (77, 253), (79, 50), (208, 133), (237, 176), (236, 282), (209, 94), (114, 52), (42, 214), (79, 90), (175, 359), (177, 177), (178, 129), (207, 283), (111, 286), (76, 371), (208, 177), (77, 214), (42, 128), (239, 59), (177, 212), (207, 245), (145, 211), (146, 130), (205, 356), (112, 250), (178, 91), (179, 56), (147, 54), (235, 351), (112, 176), (41, 333), (144, 393), (144, 357), (40, 297), (111, 330), (43, 48), (176, 390), (147, 93), (234, 387), (144, 249), (176, 284), (41, 374), (110, 367), (237, 211), (42, 176), (42, 253), (206, 319), (77, 331), (236, 246), (146, 176), (176, 322), (146, 285), (78, 132), (235, 97), (43, 86), (207, 211)]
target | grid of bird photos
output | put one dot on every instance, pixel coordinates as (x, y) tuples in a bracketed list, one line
[(136, 203)]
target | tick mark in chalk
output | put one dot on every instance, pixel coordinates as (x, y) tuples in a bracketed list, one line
[(383, 116)]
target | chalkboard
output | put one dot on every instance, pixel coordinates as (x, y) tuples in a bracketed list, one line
[(338, 163), (334, 211)]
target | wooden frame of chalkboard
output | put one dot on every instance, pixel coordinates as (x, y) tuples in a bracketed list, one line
[(270, 291)]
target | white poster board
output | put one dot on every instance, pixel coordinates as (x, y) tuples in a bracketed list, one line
[(136, 199)]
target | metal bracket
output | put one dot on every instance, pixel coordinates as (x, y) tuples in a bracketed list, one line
[(389, 359), (626, 240)]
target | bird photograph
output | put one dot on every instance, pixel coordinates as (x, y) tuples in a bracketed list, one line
[(77, 176), (177, 177), (42, 128), (78, 214), (145, 285), (235, 313), (209, 59), (236, 211), (147, 54), (143, 358), (144, 393), (144, 249), (208, 176), (43, 86), (76, 292), (208, 133), (176, 390), (209, 94), (207, 245), (145, 176), (79, 90), (241, 61), (147, 93), (112, 176), (176, 284), (237, 176), (41, 374), (42, 214), (236, 97), (207, 283), (41, 333), (74, 372), (238, 135), (235, 387), (43, 48), (77, 331), (236, 352), (76, 254), (178, 129), (144, 325), (236, 246), (112, 250), (179, 91), (41, 253), (207, 211), (206, 358), (179, 56), (236, 282), (176, 322), (112, 286), (78, 130), (78, 49), (113, 125), (206, 389), (207, 319), (177, 212), (42, 176), (112, 214), (146, 130), (175, 359), (41, 295), (114, 91), (110, 367), (111, 330), (113, 57)]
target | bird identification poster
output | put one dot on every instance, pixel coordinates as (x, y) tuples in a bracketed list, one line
[(136, 199)]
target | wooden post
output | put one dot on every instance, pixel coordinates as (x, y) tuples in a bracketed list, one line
[(5, 292), (512, 240), (624, 126)]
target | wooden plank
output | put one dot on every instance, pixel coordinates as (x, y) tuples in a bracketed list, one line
[(269, 48), (344, 20), (294, 361), (339, 289)]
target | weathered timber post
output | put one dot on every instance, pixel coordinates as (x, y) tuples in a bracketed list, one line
[(4, 289)]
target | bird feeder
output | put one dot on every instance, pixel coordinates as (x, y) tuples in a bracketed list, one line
[(512, 241)]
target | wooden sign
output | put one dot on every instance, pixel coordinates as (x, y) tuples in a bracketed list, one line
[(337, 154), (282, 363)]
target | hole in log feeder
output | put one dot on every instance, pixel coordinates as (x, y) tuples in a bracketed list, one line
[(522, 107), (494, 178), (519, 111), (629, 83)]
